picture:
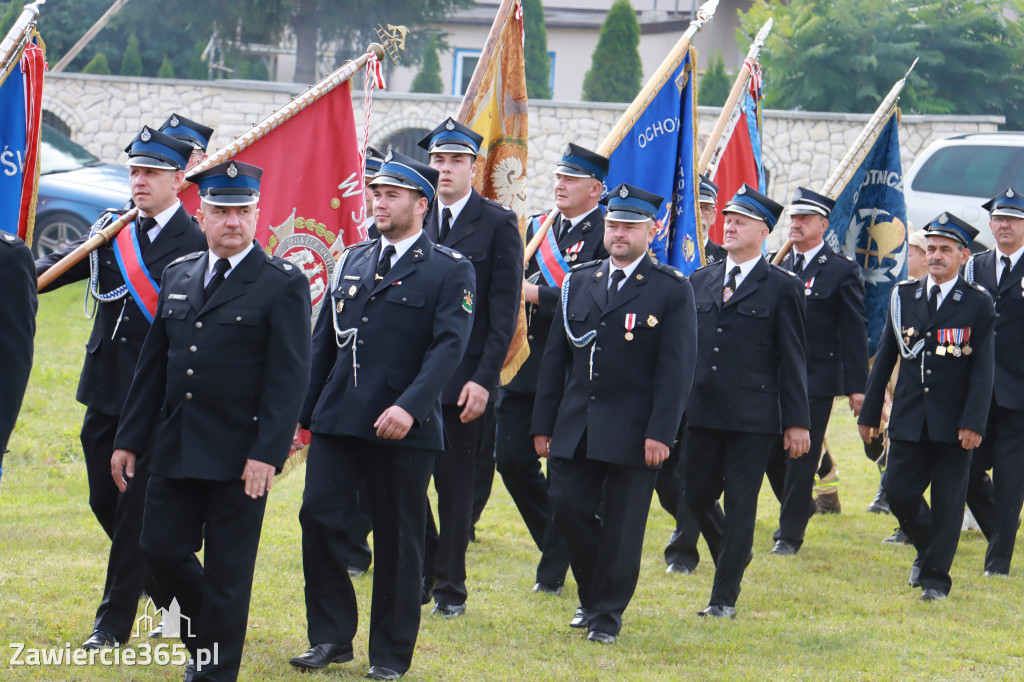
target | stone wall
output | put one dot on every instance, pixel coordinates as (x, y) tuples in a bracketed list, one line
[(800, 148)]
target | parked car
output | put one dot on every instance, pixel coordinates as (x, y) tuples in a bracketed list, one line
[(959, 174), (74, 188)]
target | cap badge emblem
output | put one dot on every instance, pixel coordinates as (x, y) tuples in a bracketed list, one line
[(387, 159), (1009, 193), (450, 125), (232, 171), (943, 219), (145, 136), (742, 190), (568, 151), (623, 192), (174, 121)]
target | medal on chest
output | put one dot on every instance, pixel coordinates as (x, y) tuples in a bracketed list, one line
[(630, 324)]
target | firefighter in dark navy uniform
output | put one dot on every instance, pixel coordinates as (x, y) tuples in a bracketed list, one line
[(837, 356), (487, 234), (708, 194), (212, 410), (613, 383), (577, 234), (996, 502), (941, 330), (394, 336), (17, 328), (750, 388)]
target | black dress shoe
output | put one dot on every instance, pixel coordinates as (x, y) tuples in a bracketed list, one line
[(915, 573), (427, 593), (993, 574), (322, 655), (379, 672), (579, 619), (600, 637), (679, 569), (100, 639), (898, 537), (880, 505), (190, 671), (784, 548), (544, 588), (932, 594), (446, 611), (718, 611)]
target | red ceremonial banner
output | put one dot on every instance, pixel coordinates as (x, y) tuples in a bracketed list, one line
[(311, 194), (737, 166)]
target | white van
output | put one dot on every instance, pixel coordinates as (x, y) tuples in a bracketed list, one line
[(959, 174)]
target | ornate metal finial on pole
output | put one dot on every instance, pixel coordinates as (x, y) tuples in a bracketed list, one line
[(391, 41), (761, 36), (704, 14), (17, 36)]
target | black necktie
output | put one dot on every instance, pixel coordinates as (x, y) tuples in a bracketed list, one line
[(566, 226), (446, 225), (798, 264), (613, 287), (730, 286), (1006, 270), (384, 264), (933, 299), (220, 268), (145, 225)]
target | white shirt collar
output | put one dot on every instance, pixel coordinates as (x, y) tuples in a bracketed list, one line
[(944, 288), (628, 270), (162, 218), (400, 247), (212, 258), (455, 208), (809, 254), (745, 268), (1014, 257)]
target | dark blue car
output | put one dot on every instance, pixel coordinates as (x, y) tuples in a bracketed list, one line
[(74, 188)]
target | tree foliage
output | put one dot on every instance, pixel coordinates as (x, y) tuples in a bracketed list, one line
[(428, 80), (535, 51), (166, 70), (131, 62), (714, 85), (14, 9), (98, 65), (615, 71), (845, 55), (345, 27)]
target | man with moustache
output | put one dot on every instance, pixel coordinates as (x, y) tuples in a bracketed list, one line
[(125, 277), (941, 330), (837, 356), (402, 309), (212, 411), (576, 236), (750, 388), (487, 234), (613, 383), (996, 502)]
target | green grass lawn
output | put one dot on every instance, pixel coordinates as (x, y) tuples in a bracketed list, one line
[(841, 609)]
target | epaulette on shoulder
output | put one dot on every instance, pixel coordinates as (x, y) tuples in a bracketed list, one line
[(783, 270), (492, 202), (187, 257), (909, 280), (669, 270), (365, 242), (9, 239), (849, 258), (588, 264), (281, 264), (977, 286), (450, 252)]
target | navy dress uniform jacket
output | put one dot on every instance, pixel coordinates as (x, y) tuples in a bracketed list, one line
[(111, 357), (487, 234), (1009, 305), (837, 331), (637, 388), (945, 392), (590, 231), (221, 382), (413, 327), (751, 374), (17, 328)]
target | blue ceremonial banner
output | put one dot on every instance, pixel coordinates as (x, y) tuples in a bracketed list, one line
[(13, 137), (869, 222), (658, 154)]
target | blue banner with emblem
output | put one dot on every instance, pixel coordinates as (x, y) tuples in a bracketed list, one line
[(869, 224), (13, 139), (645, 159)]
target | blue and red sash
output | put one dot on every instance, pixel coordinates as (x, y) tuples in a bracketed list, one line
[(136, 275), (549, 258)]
